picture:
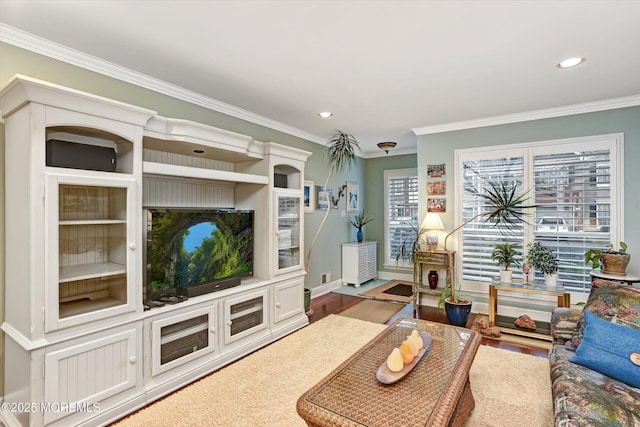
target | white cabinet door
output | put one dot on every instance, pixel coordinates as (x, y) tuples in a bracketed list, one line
[(91, 248), (288, 228), (288, 299), (91, 369), (245, 315), (183, 337)]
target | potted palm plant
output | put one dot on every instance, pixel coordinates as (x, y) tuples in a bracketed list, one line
[(542, 258), (341, 155), (505, 254), (360, 221), (505, 208)]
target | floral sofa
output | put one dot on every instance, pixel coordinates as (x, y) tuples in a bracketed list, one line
[(595, 358)]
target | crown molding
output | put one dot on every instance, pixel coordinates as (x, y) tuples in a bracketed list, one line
[(587, 107), (65, 54)]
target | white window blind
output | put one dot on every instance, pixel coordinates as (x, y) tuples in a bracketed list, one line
[(480, 236), (575, 193), (401, 212)]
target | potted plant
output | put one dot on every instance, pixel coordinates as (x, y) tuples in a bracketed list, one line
[(505, 209), (611, 261), (360, 221), (505, 255), (341, 155), (541, 257)]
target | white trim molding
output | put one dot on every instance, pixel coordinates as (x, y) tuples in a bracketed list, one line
[(568, 110)]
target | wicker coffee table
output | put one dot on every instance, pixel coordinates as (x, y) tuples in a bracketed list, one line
[(435, 393)]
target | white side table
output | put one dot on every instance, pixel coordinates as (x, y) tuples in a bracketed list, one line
[(624, 279), (359, 262)]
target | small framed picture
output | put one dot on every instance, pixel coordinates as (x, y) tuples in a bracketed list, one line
[(309, 197), (436, 171), (353, 197), (437, 188), (324, 198), (436, 205)]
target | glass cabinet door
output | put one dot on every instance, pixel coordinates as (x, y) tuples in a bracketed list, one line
[(93, 243), (288, 231)]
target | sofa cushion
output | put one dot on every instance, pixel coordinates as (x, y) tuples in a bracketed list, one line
[(608, 299), (610, 348)]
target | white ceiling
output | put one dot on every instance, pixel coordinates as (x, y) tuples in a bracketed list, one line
[(382, 67)]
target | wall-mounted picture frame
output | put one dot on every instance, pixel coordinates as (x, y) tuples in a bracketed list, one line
[(309, 196), (437, 188), (436, 171), (353, 197), (323, 198), (436, 205)]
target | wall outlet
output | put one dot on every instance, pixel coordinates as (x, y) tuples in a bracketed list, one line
[(325, 278)]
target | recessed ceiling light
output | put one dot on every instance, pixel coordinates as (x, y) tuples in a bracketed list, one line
[(325, 114), (571, 62)]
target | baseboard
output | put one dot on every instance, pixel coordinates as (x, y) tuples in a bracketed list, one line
[(325, 288)]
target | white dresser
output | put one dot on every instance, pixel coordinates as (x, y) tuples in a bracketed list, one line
[(359, 262)]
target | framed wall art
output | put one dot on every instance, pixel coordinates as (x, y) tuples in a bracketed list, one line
[(353, 197), (323, 198), (309, 196)]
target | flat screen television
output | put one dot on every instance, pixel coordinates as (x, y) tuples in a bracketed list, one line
[(195, 251)]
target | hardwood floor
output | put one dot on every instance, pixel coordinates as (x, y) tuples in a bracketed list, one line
[(333, 303)]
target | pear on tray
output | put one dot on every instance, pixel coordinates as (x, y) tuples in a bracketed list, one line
[(408, 350), (394, 361)]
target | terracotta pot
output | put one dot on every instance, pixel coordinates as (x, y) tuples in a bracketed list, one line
[(615, 263)]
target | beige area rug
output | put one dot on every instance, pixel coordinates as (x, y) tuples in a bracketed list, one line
[(372, 310), (510, 389), (379, 294)]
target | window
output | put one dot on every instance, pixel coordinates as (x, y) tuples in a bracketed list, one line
[(575, 193), (401, 212)]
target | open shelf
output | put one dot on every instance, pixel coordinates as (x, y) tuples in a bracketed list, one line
[(154, 168), (90, 271)]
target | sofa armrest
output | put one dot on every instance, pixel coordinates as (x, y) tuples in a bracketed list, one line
[(563, 323)]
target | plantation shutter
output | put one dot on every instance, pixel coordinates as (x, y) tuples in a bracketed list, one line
[(573, 194), (479, 236), (401, 211), (576, 188)]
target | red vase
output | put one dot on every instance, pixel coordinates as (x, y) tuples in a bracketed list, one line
[(433, 279)]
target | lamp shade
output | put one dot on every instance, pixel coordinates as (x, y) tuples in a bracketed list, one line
[(432, 222)]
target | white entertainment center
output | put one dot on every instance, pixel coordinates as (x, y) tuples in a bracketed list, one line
[(80, 347)]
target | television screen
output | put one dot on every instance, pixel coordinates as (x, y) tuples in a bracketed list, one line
[(187, 248)]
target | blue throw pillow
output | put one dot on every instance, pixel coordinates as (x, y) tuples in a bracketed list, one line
[(609, 349)]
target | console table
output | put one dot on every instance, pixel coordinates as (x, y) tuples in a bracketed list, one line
[(564, 300), (437, 258)]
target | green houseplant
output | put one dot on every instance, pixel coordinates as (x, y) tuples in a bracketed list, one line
[(360, 221), (341, 155), (541, 257), (611, 262), (505, 209), (505, 255)]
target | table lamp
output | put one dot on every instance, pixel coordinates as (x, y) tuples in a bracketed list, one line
[(432, 223)]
